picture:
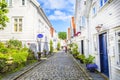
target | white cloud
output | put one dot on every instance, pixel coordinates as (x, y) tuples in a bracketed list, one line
[(57, 4), (58, 15), (63, 9)]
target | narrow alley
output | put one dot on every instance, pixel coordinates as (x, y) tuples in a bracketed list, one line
[(61, 66)]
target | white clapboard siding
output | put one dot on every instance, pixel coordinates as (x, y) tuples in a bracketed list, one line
[(109, 16)]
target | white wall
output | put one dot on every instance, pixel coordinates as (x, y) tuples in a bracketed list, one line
[(109, 16)]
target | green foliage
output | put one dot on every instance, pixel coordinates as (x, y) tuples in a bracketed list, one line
[(58, 46), (81, 57), (62, 35), (30, 55), (39, 55), (3, 12), (2, 45), (15, 58), (4, 50), (75, 50), (89, 59), (2, 63), (14, 44), (51, 46)]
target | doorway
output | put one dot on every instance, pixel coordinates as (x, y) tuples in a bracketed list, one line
[(103, 54), (82, 46)]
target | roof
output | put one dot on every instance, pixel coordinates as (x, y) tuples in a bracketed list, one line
[(41, 12)]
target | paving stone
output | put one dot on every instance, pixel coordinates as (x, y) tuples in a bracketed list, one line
[(58, 67)]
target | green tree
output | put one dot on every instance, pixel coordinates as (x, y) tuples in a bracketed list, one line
[(3, 11), (58, 46), (51, 46), (62, 35)]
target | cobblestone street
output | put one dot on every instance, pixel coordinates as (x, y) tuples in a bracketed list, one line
[(58, 67)]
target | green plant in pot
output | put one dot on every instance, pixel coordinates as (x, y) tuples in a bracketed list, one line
[(89, 63), (75, 50), (39, 55), (45, 52), (81, 57)]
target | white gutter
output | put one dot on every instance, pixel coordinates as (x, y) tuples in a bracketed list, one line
[(36, 3)]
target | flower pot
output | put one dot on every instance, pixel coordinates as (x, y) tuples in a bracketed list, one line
[(91, 67)]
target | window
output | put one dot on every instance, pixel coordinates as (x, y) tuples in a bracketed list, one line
[(118, 48), (18, 24), (94, 10), (83, 21), (9, 2), (103, 2), (23, 2)]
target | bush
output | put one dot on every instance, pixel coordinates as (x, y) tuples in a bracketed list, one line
[(4, 50), (2, 45), (19, 57), (2, 64), (30, 55), (89, 60), (51, 46), (75, 50), (14, 44), (81, 57), (58, 46)]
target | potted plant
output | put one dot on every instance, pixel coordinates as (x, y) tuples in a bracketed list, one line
[(45, 51), (39, 55), (89, 63), (81, 57)]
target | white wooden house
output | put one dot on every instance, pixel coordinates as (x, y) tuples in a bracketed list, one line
[(103, 27), (26, 20)]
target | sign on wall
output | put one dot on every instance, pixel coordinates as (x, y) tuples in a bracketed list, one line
[(40, 36)]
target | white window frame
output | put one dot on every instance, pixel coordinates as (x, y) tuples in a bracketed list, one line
[(18, 22), (117, 49)]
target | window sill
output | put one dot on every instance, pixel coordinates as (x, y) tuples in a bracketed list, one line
[(17, 32), (23, 6), (10, 6)]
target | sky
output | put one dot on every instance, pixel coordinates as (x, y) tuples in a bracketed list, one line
[(59, 12)]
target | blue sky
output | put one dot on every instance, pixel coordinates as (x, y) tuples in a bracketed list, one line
[(59, 12)]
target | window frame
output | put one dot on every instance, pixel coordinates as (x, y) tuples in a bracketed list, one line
[(117, 48), (102, 3), (18, 25)]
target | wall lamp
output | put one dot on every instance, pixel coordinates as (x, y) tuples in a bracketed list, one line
[(98, 28)]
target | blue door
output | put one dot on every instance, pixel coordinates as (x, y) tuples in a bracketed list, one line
[(103, 54)]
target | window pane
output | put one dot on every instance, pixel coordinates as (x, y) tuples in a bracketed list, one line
[(15, 21), (20, 21), (10, 2), (118, 41), (94, 10), (105, 1), (20, 27), (15, 27), (101, 3), (23, 2)]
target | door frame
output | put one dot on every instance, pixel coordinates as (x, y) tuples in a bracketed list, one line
[(107, 44)]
